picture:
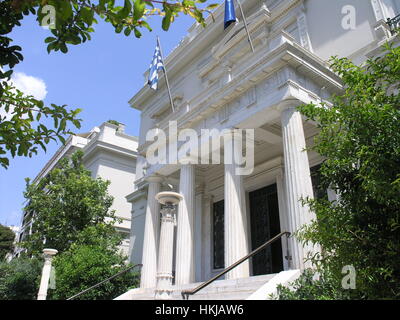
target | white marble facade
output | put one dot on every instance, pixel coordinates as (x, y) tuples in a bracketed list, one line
[(217, 82)]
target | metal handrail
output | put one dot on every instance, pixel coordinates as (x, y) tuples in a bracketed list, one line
[(186, 293), (108, 279), (394, 23)]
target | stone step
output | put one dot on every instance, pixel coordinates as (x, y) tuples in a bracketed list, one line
[(237, 289)]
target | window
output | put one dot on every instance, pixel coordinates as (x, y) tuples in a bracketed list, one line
[(319, 191), (218, 235)]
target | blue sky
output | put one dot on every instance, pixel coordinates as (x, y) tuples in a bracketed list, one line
[(99, 76)]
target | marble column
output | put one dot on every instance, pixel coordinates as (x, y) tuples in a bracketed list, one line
[(44, 281), (297, 181), (198, 231), (151, 232), (165, 253), (283, 217), (236, 245), (184, 270)]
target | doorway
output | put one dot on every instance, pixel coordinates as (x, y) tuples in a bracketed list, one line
[(265, 224)]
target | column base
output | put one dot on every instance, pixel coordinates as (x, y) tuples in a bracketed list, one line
[(163, 295), (164, 287)]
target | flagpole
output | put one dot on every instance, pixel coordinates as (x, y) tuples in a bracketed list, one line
[(166, 77), (245, 25)]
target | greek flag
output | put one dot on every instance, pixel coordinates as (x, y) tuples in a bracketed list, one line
[(155, 66)]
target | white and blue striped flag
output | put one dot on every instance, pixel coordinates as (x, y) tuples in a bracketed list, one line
[(155, 66)]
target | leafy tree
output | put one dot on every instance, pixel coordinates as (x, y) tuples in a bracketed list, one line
[(7, 237), (20, 278), (359, 137), (92, 258), (64, 203)]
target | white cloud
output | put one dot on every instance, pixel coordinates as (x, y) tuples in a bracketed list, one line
[(30, 85)]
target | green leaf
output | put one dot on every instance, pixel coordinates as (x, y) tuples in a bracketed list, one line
[(49, 39), (138, 34), (126, 10), (87, 15), (139, 8), (63, 48), (166, 21), (127, 31)]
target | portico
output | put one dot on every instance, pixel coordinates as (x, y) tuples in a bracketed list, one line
[(223, 216)]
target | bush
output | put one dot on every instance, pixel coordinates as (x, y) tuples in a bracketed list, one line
[(20, 278), (309, 287), (89, 262)]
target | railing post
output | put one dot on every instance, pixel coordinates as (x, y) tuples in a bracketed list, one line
[(288, 256)]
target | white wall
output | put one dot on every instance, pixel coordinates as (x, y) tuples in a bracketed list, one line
[(122, 177), (137, 230), (327, 35)]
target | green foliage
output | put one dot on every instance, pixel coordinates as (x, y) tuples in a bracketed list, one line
[(92, 258), (20, 278), (6, 241), (71, 214), (115, 122), (21, 131), (310, 287), (75, 19), (360, 139), (64, 203)]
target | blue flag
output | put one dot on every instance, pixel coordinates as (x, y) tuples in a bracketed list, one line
[(229, 13), (155, 66)]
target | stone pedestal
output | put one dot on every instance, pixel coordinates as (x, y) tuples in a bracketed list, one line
[(151, 232), (165, 252), (297, 181), (44, 281)]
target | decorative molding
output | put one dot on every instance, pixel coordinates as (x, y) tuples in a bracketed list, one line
[(303, 32), (383, 9), (377, 7)]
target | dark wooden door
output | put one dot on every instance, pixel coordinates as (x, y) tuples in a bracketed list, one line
[(264, 221)]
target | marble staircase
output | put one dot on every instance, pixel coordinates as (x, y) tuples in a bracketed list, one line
[(257, 287)]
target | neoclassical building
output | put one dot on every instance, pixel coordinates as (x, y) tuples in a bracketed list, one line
[(217, 82), (109, 153)]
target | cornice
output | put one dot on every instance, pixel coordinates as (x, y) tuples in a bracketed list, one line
[(98, 145), (271, 60), (197, 39), (136, 195)]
